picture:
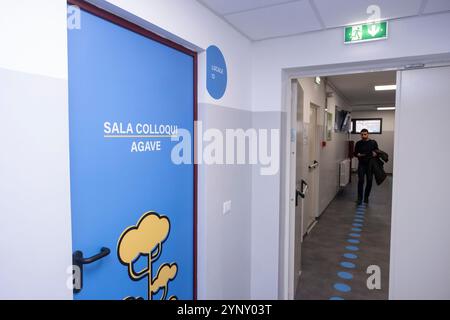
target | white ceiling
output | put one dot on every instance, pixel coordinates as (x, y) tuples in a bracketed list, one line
[(359, 89), (265, 19)]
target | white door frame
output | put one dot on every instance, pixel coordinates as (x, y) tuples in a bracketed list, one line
[(287, 237), (296, 104), (316, 180)]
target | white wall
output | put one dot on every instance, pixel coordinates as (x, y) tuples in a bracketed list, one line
[(386, 139), (35, 233), (270, 57), (335, 150), (34, 36), (420, 257), (332, 154), (316, 95), (266, 221)]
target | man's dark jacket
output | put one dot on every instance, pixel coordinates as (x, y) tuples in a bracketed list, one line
[(376, 166)]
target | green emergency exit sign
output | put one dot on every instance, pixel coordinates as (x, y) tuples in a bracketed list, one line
[(366, 32)]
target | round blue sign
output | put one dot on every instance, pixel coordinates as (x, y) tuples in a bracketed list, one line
[(216, 72)]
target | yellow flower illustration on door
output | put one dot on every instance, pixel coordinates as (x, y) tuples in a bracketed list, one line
[(146, 239)]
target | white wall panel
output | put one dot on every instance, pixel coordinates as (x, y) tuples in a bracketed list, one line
[(420, 259)]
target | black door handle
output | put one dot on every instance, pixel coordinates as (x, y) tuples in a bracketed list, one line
[(301, 193), (78, 256), (78, 261), (297, 194), (314, 165)]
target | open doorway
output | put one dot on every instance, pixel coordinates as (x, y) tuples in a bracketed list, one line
[(421, 115), (339, 240)]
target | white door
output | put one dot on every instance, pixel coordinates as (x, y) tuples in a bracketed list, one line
[(310, 209), (420, 255)]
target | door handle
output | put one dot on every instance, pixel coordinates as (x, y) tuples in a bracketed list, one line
[(79, 261), (314, 165), (297, 194), (78, 255), (302, 193)]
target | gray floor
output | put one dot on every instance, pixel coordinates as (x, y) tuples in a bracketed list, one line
[(324, 248)]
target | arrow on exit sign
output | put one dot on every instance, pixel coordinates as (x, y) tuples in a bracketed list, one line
[(366, 32)]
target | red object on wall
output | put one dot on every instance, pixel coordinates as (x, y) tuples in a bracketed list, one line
[(324, 144)]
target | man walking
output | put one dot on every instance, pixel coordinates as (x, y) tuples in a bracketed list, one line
[(364, 151)]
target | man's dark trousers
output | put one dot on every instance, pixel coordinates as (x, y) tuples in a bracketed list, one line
[(363, 171)]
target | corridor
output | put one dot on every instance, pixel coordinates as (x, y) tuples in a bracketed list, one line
[(344, 243)]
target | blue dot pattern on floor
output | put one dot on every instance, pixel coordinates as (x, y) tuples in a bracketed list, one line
[(345, 275), (357, 226), (348, 265), (342, 287)]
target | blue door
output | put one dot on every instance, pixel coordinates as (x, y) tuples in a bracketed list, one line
[(132, 207)]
